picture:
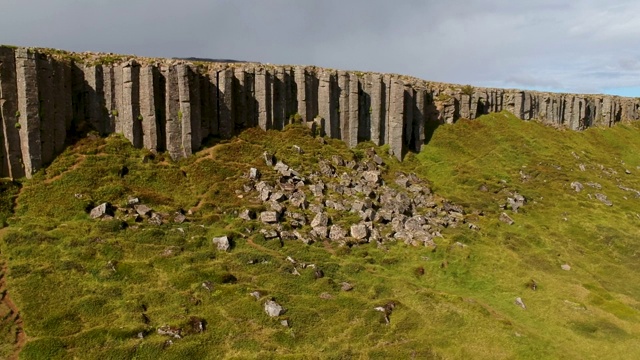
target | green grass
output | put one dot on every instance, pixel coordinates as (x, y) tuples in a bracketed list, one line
[(75, 306)]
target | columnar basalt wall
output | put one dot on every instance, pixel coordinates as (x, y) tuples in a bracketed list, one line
[(47, 97)]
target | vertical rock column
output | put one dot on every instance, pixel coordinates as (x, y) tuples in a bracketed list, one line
[(263, 89), (409, 107), (300, 78), (239, 98), (328, 103), (279, 99), (94, 83), (186, 114), (110, 103), (209, 101), (62, 103), (148, 84), (343, 105), (377, 108), (419, 118), (129, 115), (28, 111), (174, 115), (354, 116), (225, 103), (396, 117), (11, 165), (46, 109)]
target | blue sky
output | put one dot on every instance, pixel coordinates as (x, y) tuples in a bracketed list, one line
[(583, 46)]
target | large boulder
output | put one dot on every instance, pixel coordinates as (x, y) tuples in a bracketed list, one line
[(359, 231), (273, 309), (269, 217), (321, 219), (222, 243), (101, 211)]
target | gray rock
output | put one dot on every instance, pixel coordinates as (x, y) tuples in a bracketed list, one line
[(133, 201), (269, 233), (273, 309), (277, 196), (337, 233), (247, 215), (254, 174), (359, 231), (268, 159), (143, 210), (506, 219), (337, 160), (155, 219), (520, 303), (283, 169), (327, 169), (269, 217), (321, 232), (565, 267), (372, 177), (594, 185), (346, 286), (299, 199), (277, 207), (321, 219), (179, 218), (221, 243), (577, 186), (298, 149), (100, 211), (284, 323), (603, 198), (256, 294)]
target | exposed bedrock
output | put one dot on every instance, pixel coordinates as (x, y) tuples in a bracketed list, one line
[(172, 105)]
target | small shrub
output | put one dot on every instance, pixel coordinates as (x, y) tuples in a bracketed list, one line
[(467, 90)]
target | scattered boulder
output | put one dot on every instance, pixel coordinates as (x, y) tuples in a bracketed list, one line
[(269, 217), (179, 218), (269, 159), (155, 219), (577, 186), (222, 243), (101, 211), (506, 219), (284, 323), (520, 303), (346, 286), (273, 309), (170, 331), (143, 210), (321, 219), (254, 174), (359, 231), (565, 267), (256, 294), (603, 198), (337, 233), (247, 215)]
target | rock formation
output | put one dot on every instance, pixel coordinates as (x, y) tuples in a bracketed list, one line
[(173, 105)]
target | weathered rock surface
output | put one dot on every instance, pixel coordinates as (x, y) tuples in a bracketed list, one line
[(173, 105), (273, 309), (222, 243)]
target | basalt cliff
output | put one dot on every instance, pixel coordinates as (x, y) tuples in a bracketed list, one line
[(48, 96)]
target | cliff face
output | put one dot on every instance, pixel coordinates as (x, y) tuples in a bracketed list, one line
[(173, 105)]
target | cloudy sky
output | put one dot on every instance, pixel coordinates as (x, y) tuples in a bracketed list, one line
[(556, 45)]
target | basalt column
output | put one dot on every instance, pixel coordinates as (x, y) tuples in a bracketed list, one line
[(240, 108), (209, 101), (279, 97), (149, 111), (95, 98), (263, 92), (188, 113), (354, 107), (11, 165), (409, 106), (343, 105), (110, 103), (226, 97), (174, 115), (419, 118), (61, 103), (377, 110), (46, 110), (300, 78), (28, 111), (129, 115), (396, 117), (328, 103)]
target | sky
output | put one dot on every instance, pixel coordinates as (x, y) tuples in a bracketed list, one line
[(582, 46)]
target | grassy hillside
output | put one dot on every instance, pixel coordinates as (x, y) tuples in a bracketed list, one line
[(87, 288)]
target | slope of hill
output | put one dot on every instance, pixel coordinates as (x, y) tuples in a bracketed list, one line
[(124, 287)]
